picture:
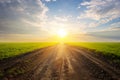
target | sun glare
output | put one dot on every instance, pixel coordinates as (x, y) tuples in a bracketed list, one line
[(62, 33)]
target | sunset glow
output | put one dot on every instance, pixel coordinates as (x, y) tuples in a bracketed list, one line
[(62, 33)]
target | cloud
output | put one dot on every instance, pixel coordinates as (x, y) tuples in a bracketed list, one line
[(49, 0), (112, 35), (111, 32), (65, 22), (113, 27), (61, 19), (101, 11), (22, 37), (21, 16)]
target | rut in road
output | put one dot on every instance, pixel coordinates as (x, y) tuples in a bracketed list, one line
[(59, 62)]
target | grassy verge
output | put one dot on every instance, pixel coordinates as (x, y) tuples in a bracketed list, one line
[(105, 47), (13, 49)]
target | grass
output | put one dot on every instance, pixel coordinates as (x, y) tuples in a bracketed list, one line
[(107, 48), (14, 49)]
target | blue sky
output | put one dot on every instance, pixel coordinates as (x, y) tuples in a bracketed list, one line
[(39, 20), (64, 7)]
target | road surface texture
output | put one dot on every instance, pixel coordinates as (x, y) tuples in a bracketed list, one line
[(59, 62)]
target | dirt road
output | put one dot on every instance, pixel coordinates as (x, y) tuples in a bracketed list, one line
[(59, 62)]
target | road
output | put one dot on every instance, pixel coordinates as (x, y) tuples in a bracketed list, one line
[(59, 62)]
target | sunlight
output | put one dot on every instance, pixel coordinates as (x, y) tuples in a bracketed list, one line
[(62, 33)]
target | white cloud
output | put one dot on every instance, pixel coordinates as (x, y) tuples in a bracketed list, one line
[(113, 27), (102, 11), (64, 23), (79, 6), (111, 31), (49, 0), (21, 16), (63, 19), (4, 1)]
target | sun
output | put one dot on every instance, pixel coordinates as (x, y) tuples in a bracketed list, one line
[(62, 33)]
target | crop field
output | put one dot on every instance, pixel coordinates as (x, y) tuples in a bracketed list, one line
[(13, 49), (105, 47)]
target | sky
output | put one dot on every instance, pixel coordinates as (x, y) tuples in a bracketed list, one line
[(40, 20)]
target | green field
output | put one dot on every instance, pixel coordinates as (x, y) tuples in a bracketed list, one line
[(13, 49), (107, 48)]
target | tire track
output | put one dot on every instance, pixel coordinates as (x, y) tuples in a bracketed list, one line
[(80, 71), (56, 72), (109, 69), (44, 62), (43, 72)]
